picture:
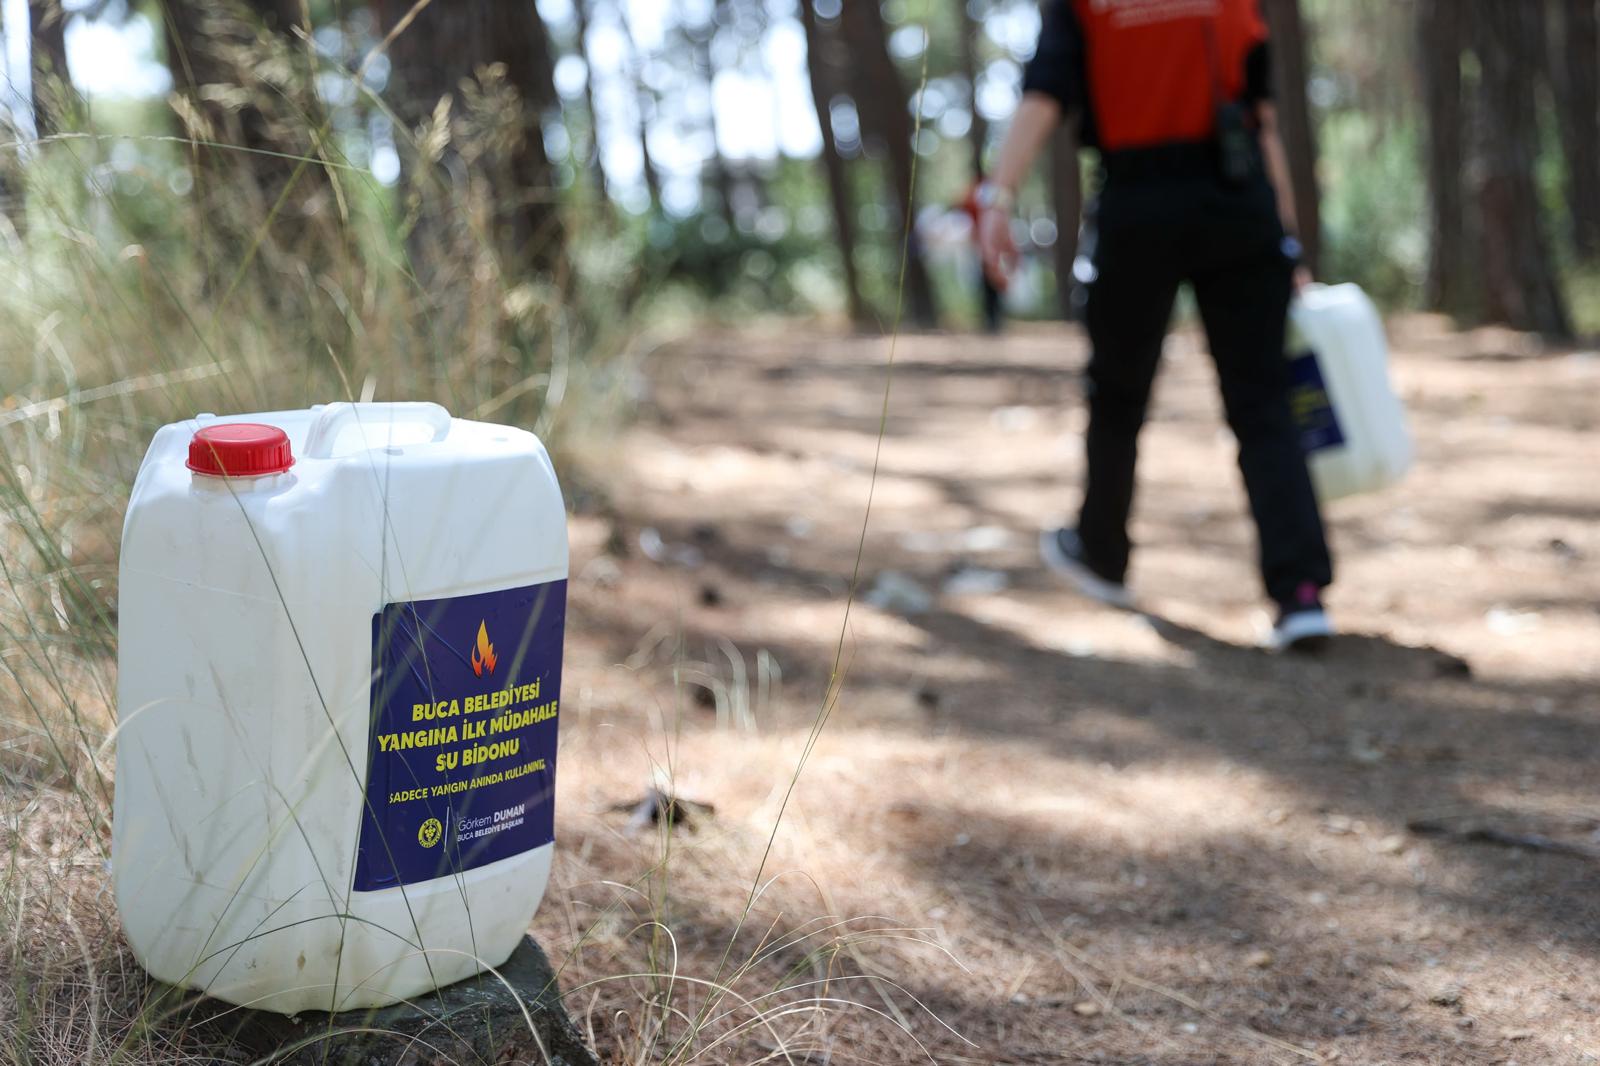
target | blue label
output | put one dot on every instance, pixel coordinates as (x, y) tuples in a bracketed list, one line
[(1313, 409), (461, 752)]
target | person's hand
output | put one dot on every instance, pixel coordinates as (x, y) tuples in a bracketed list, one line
[(1302, 278), (997, 246)]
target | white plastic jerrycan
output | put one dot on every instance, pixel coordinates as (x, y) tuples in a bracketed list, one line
[(340, 668), (1352, 426)]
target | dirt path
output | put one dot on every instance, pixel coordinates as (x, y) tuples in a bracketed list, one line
[(1063, 833)]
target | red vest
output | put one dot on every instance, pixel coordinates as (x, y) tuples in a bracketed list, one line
[(1157, 68)]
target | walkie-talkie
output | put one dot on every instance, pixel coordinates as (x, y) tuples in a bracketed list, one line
[(1236, 149)]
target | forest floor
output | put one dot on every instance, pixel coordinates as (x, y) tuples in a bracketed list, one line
[(1049, 831), (1030, 829)]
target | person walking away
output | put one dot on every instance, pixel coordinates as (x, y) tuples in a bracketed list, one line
[(989, 291), (1175, 96)]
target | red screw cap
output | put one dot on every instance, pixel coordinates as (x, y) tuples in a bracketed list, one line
[(240, 449)]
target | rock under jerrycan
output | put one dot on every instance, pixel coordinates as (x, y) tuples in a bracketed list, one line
[(340, 669)]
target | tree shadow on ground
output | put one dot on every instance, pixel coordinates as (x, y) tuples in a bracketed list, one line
[(1372, 733), (1370, 729), (1062, 906)]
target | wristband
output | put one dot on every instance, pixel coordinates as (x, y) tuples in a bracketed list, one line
[(990, 196)]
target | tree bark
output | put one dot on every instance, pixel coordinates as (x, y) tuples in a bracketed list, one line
[(197, 38), (13, 207), (1294, 120), (241, 81), (699, 41), (1066, 192), (833, 165), (595, 164), (1440, 39), (450, 44), (978, 134), (881, 100), (1520, 282), (646, 102), (52, 82), (1578, 108)]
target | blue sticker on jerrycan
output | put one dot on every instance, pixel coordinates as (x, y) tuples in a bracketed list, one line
[(1314, 415), (461, 752)]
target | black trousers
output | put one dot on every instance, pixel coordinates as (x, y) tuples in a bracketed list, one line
[(1156, 232)]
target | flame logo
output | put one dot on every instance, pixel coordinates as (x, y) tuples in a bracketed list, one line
[(483, 657)]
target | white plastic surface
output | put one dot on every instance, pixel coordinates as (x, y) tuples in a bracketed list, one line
[(342, 427), (1343, 328), (246, 618)]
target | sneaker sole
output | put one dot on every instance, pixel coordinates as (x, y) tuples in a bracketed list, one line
[(1302, 631), (1081, 577)]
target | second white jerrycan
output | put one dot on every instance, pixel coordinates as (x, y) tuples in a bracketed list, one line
[(1352, 425)]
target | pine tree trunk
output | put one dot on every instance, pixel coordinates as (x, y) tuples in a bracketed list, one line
[(52, 82), (206, 46), (882, 102), (645, 100), (721, 177), (1294, 120), (264, 196), (1520, 283), (1578, 107), (833, 166), (978, 134), (448, 44), (1439, 43), (13, 207), (595, 165), (1066, 192)]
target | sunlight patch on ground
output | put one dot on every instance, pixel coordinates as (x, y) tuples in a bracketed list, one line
[(772, 479), (819, 624)]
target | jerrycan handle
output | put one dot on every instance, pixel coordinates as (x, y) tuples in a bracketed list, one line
[(333, 418)]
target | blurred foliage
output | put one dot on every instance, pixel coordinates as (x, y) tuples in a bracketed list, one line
[(772, 250), (1374, 213)]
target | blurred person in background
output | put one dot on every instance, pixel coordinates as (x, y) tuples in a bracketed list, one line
[(950, 233), (989, 292), (1194, 187)]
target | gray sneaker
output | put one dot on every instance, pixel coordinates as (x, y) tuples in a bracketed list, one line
[(1062, 551)]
